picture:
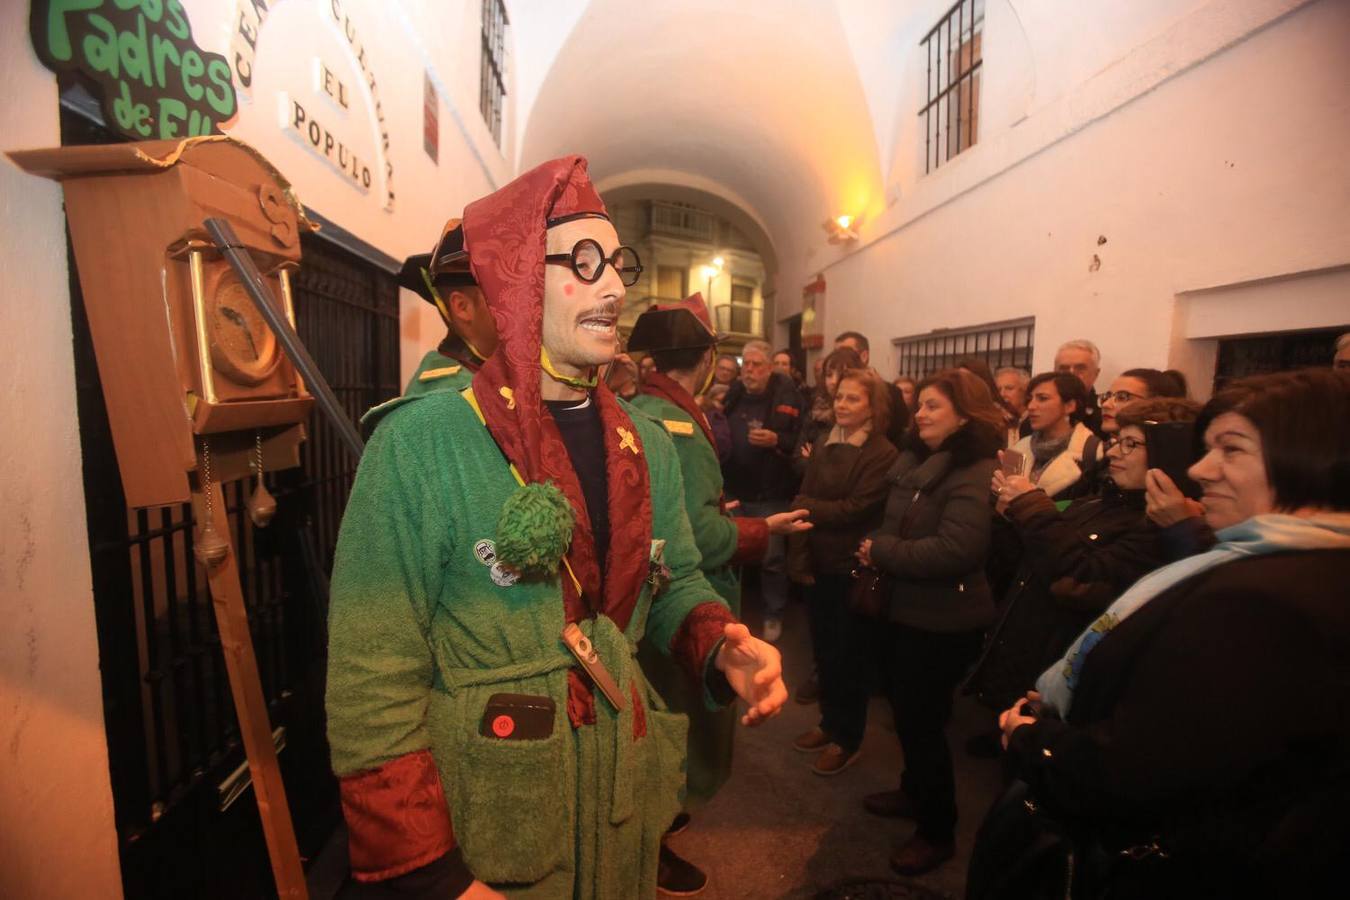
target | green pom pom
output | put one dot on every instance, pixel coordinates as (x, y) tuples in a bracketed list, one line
[(534, 530)]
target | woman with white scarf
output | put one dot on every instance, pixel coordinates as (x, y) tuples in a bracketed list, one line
[(1200, 728)]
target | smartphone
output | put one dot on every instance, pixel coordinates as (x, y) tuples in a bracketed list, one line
[(518, 717), (1171, 448), (1012, 462)]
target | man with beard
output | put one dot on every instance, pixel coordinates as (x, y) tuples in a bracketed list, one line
[(503, 551)]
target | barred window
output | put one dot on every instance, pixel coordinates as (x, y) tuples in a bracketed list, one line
[(953, 56), (998, 343), (492, 87)]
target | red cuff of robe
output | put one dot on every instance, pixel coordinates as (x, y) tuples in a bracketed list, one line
[(752, 539), (397, 817), (698, 635)]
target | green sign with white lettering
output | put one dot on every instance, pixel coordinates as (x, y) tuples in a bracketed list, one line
[(138, 57)]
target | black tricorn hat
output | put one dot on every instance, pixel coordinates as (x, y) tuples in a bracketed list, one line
[(447, 265), (675, 326)]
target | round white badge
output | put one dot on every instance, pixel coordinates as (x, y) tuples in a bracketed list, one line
[(485, 551), (501, 576)]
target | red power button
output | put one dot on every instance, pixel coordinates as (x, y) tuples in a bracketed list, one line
[(502, 726)]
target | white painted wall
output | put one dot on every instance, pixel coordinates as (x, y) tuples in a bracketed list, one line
[(56, 813), (1210, 155)]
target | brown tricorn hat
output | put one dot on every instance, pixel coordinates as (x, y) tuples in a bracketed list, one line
[(447, 265)]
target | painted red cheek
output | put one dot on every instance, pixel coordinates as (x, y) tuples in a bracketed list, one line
[(569, 289)]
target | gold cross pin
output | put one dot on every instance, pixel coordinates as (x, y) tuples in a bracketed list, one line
[(627, 440)]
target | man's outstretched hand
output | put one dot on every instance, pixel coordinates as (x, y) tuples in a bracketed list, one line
[(790, 522), (755, 672)]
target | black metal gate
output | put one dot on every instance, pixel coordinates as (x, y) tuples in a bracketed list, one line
[(187, 821)]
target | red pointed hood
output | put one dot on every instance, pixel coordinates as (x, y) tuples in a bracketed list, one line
[(505, 234)]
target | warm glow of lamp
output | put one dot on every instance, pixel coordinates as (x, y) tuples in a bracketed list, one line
[(719, 262), (709, 272), (840, 228)]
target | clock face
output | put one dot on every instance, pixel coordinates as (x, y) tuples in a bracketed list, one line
[(243, 347)]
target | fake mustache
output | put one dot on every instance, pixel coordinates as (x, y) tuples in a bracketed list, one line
[(607, 310)]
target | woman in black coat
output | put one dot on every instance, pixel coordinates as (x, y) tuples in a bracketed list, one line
[(844, 490), (1199, 731), (1073, 563), (932, 547)]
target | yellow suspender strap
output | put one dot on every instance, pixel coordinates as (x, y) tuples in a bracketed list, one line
[(436, 295), (468, 395)]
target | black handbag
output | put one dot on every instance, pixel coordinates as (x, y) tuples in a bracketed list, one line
[(870, 592), (1023, 852)]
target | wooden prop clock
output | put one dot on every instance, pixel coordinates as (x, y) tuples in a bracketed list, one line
[(198, 388)]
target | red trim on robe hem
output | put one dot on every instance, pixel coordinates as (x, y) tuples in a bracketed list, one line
[(639, 712), (752, 539), (697, 635), (397, 817), (580, 698)]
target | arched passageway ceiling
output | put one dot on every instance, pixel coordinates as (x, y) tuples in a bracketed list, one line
[(762, 99), (680, 187)]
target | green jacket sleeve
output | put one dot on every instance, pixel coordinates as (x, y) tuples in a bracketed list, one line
[(686, 617), (385, 573), (714, 533)]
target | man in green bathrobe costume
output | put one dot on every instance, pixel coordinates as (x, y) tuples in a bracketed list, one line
[(476, 757), (680, 340)]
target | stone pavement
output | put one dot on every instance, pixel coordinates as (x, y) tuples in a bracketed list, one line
[(779, 830)]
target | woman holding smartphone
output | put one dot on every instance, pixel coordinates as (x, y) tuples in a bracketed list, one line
[(1197, 731), (1076, 562), (932, 546)]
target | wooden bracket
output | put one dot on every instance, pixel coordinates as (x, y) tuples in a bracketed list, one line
[(227, 598)]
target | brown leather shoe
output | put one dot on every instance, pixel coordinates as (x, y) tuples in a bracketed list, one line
[(811, 741), (917, 856), (890, 804), (834, 759)]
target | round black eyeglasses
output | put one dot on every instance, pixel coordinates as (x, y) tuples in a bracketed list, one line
[(587, 261)]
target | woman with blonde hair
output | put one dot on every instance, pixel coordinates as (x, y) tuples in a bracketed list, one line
[(844, 489)]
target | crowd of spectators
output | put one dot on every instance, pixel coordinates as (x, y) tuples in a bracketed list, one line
[(1146, 594)]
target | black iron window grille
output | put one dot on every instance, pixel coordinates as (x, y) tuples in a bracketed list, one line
[(953, 56), (492, 84), (1243, 357), (998, 343)]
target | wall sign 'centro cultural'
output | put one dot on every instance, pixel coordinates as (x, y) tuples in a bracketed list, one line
[(139, 58), (248, 19)]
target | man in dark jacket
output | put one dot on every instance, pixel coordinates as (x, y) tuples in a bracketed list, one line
[(764, 410), (1081, 359), (900, 415)]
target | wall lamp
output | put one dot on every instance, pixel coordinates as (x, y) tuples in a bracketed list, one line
[(840, 229)]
